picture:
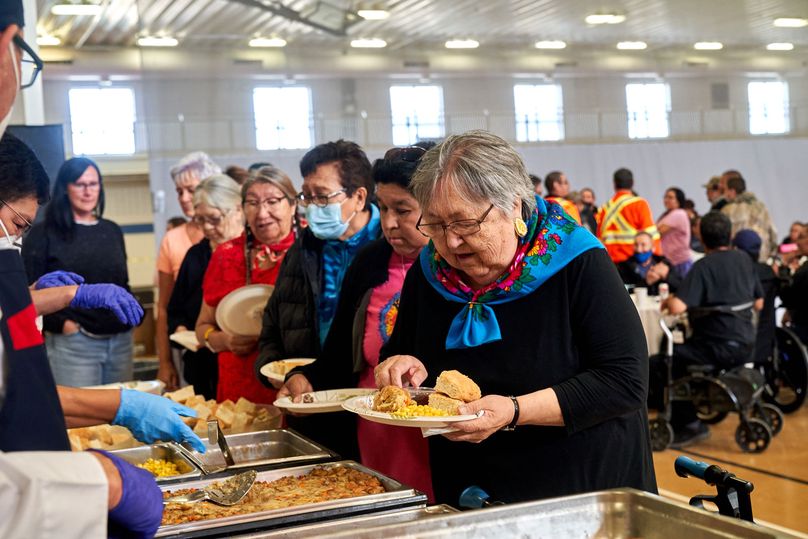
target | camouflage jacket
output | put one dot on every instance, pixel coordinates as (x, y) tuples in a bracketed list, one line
[(747, 212)]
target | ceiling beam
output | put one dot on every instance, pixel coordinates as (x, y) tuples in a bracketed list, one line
[(296, 16)]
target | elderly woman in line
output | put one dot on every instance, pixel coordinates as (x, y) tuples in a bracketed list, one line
[(254, 257), (187, 173), (517, 296), (365, 317), (217, 211)]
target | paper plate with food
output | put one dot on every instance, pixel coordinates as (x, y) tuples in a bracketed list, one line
[(424, 408), (320, 402), (277, 370)]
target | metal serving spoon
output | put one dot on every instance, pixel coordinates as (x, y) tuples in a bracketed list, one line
[(227, 492)]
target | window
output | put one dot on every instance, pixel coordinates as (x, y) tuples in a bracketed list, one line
[(283, 119), (647, 106), (539, 112), (102, 121), (768, 108), (417, 113)]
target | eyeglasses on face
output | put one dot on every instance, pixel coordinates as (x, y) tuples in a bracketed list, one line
[(253, 204), (85, 186), (319, 200), (22, 229), (201, 220), (410, 154), (461, 227), (30, 63)]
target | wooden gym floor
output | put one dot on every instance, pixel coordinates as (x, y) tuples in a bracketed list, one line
[(779, 474)]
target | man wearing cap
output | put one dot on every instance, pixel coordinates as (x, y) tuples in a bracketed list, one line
[(715, 193), (46, 490)]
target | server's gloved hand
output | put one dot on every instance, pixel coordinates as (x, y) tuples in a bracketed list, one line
[(140, 509), (109, 296), (152, 418), (58, 278)]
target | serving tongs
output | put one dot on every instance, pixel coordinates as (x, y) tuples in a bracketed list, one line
[(227, 492), (215, 437)]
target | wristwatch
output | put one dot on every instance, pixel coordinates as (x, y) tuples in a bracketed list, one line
[(512, 425)]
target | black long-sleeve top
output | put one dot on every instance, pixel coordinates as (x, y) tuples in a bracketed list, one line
[(186, 298), (578, 334), (96, 252)]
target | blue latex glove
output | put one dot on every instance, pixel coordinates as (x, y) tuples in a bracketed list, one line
[(58, 278), (140, 510), (109, 296), (152, 418)]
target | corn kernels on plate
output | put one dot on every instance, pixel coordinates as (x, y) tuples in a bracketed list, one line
[(363, 407)]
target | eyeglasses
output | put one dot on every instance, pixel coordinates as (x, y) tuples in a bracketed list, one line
[(462, 227), (252, 204), (22, 230), (410, 154), (89, 186), (318, 200), (201, 220), (30, 63)]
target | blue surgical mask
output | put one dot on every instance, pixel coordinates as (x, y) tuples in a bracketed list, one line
[(642, 258), (326, 223)]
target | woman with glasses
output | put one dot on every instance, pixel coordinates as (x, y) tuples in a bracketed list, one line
[(217, 211), (186, 174), (513, 293), (365, 317), (86, 346), (337, 192), (254, 257)]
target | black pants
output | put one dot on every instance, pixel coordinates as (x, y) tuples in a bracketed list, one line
[(723, 355)]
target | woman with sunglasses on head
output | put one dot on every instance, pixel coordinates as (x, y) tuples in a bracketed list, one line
[(217, 211), (516, 295), (254, 257), (86, 345), (365, 317), (337, 192)]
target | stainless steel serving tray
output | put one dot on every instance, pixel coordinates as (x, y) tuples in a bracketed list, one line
[(330, 527), (267, 448), (139, 455), (613, 514), (396, 496)]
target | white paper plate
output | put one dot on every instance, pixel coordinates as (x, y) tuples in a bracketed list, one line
[(240, 312), (323, 401), (277, 371), (186, 339), (363, 407), (147, 386)]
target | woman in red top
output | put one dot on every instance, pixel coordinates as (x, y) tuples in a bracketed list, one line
[(253, 258)]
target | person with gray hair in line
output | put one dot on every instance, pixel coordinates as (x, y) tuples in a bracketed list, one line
[(187, 173), (217, 211), (513, 293)]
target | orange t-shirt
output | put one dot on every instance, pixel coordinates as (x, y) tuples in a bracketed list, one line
[(569, 207), (175, 244)]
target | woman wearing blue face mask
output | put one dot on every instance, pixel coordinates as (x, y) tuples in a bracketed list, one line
[(646, 269), (337, 191)]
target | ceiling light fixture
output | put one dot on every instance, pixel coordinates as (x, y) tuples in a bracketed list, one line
[(604, 18), (75, 9), (632, 45), (155, 41), (462, 44), (791, 22), (708, 46), (550, 45), (371, 43), (48, 41), (372, 11), (267, 42), (780, 46)]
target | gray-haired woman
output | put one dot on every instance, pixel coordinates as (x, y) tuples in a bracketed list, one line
[(217, 211), (525, 301), (187, 173)]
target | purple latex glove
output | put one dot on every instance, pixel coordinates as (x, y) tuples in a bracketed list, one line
[(140, 509), (109, 296), (152, 418), (58, 278)]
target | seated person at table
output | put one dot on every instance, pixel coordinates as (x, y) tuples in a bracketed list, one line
[(722, 337), (794, 292), (645, 269)]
